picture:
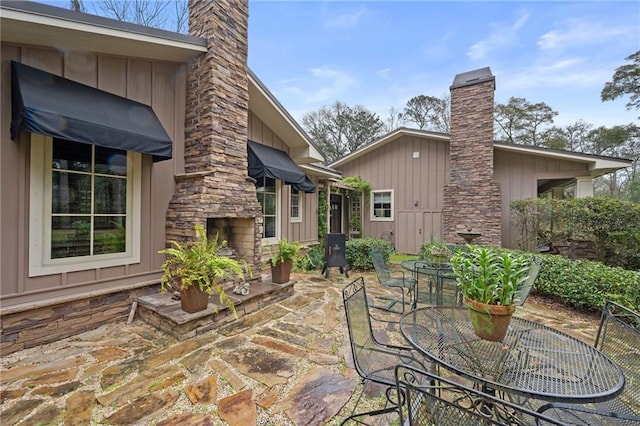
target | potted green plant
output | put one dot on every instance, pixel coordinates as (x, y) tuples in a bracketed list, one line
[(282, 260), (197, 270), (435, 252), (489, 279)]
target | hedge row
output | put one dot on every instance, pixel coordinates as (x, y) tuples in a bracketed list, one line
[(587, 285)]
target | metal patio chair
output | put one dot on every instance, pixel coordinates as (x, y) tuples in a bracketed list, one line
[(393, 279), (374, 361), (525, 288), (618, 337), (428, 399)]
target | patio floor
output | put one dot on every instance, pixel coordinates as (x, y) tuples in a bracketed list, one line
[(287, 364)]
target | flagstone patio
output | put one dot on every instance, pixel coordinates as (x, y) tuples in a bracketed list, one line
[(286, 364)]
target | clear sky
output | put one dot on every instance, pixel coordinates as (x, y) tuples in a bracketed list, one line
[(382, 53)]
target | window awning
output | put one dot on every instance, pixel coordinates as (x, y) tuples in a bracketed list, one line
[(265, 161), (54, 106)]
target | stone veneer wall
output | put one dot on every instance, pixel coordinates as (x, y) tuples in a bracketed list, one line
[(215, 183), (34, 327), (472, 198)]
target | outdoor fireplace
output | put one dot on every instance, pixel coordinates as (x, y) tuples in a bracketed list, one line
[(212, 185), (237, 232)]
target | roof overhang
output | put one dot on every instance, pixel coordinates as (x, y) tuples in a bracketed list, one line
[(597, 165), (26, 22), (320, 171), (266, 106), (390, 137)]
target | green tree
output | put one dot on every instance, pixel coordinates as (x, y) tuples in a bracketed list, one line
[(341, 129), (623, 142), (572, 137), (625, 81), (520, 121), (428, 113)]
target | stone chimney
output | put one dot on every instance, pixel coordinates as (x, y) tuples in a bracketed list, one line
[(215, 190), (472, 198)]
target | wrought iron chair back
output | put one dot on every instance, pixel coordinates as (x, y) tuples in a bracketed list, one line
[(619, 337), (525, 288), (391, 278), (374, 361), (429, 399)]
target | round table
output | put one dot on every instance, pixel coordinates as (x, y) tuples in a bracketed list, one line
[(533, 360)]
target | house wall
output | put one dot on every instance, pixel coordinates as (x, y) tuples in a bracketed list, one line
[(159, 84), (305, 231), (420, 180), (518, 175)]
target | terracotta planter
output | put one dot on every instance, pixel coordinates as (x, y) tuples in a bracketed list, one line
[(192, 299), (281, 272), (489, 322)]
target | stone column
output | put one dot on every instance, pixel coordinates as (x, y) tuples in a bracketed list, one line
[(472, 198), (216, 184)]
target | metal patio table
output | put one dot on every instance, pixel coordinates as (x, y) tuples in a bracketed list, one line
[(436, 274), (533, 361)]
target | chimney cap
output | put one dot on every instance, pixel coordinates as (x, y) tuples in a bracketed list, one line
[(472, 77)]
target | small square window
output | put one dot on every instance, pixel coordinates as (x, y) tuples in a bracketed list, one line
[(382, 205)]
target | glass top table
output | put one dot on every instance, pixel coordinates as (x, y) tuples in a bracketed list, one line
[(533, 360)]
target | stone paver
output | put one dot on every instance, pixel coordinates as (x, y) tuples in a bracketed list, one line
[(282, 365)]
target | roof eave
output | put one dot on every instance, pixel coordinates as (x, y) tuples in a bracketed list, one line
[(269, 110), (31, 23)]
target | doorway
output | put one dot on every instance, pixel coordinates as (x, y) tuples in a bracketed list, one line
[(335, 214)]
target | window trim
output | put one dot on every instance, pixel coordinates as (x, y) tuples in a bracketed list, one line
[(372, 216), (40, 192), (276, 238), (296, 219)]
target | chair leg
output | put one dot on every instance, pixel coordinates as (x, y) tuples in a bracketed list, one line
[(354, 416)]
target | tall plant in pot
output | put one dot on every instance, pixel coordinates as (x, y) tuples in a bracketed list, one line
[(283, 259), (489, 280), (197, 270)]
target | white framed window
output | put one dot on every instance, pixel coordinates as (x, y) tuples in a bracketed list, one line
[(382, 205), (84, 206), (295, 215), (268, 190)]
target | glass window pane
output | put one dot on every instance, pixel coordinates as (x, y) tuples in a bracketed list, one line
[(71, 193), (269, 207), (70, 236), (111, 161), (269, 227), (71, 155), (269, 185), (109, 235), (110, 195)]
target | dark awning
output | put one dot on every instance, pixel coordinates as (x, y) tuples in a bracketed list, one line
[(265, 161), (54, 106)]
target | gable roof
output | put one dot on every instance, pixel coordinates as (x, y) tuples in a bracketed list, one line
[(27, 22), (598, 164)]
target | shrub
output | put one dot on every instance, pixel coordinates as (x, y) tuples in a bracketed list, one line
[(586, 285), (313, 259), (358, 257), (613, 224)]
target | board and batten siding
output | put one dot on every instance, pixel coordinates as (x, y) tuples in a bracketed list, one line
[(518, 175), (305, 231), (159, 84), (417, 185)]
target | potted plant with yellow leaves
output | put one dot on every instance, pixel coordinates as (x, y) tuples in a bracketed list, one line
[(489, 279), (197, 270)]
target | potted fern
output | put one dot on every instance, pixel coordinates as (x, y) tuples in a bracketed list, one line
[(489, 280), (282, 260), (197, 270)]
